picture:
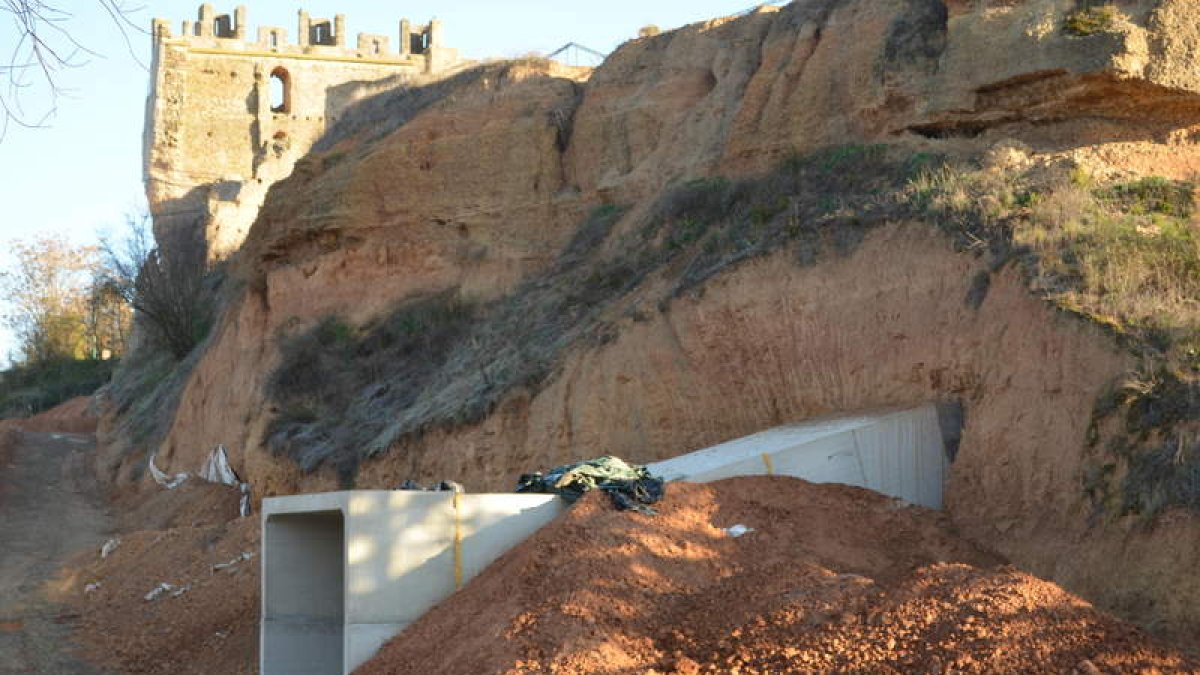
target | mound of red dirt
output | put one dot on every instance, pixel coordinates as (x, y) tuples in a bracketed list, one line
[(831, 579), (74, 416), (195, 503), (206, 621)]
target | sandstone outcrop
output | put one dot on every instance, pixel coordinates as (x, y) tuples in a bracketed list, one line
[(477, 182)]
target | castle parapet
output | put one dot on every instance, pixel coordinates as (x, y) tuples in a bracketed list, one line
[(231, 109), (315, 37)]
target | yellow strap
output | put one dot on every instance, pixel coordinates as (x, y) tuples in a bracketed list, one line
[(458, 570), (767, 461)]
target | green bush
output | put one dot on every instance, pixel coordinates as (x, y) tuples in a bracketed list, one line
[(1091, 20), (29, 389), (1153, 195)]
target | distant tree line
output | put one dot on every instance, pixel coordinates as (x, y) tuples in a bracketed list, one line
[(60, 305), (75, 310)]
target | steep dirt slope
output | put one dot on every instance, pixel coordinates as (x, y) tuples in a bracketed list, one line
[(468, 193), (480, 182), (890, 325), (490, 172), (831, 579)]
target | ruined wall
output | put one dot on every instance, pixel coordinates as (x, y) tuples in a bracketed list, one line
[(228, 116)]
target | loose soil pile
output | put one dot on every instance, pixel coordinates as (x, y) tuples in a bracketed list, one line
[(184, 534), (831, 578), (73, 416)]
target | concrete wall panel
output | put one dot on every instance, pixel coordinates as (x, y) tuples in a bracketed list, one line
[(490, 523), (343, 572), (898, 453)]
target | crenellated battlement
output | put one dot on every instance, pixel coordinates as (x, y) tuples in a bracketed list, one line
[(315, 38)]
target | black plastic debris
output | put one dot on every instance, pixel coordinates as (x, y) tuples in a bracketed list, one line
[(444, 486), (630, 487)]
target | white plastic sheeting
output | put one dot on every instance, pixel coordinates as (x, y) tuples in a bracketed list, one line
[(216, 469), (901, 454), (169, 482)]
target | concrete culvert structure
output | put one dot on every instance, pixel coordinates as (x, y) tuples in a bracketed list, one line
[(344, 572), (304, 608), (904, 454)]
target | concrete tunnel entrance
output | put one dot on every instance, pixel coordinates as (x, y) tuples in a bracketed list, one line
[(303, 622), (343, 572)]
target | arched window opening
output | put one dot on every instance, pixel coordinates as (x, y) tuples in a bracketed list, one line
[(274, 39), (281, 91)]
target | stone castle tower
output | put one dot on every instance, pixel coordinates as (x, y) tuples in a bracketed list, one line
[(228, 115)]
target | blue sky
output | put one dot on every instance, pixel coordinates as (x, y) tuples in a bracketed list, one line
[(83, 172)]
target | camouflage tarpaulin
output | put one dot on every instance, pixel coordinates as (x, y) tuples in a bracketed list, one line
[(630, 487)]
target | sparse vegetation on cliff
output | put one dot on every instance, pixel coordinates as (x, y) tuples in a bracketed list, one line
[(1125, 257), (338, 381), (343, 396), (1090, 20), (165, 284), (177, 297)]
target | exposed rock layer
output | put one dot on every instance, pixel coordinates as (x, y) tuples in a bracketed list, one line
[(487, 180)]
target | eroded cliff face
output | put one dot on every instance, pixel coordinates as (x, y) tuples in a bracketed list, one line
[(488, 176)]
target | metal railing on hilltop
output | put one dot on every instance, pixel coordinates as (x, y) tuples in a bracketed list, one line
[(575, 54)]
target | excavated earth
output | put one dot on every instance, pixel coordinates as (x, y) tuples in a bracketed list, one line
[(482, 185), (192, 539), (830, 579), (483, 188)]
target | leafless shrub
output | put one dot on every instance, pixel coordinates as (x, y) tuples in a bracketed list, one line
[(164, 285)]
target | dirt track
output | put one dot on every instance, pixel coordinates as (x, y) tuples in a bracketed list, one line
[(49, 510)]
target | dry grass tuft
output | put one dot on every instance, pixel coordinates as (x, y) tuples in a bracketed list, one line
[(1091, 20), (1126, 257)]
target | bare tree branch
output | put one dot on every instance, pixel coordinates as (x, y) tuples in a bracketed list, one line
[(164, 286), (44, 46)]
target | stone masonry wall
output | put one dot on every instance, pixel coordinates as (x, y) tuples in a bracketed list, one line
[(217, 134)]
